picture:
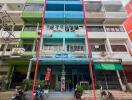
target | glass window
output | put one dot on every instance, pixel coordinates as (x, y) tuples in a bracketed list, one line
[(119, 48), (34, 7), (2, 47), (28, 47), (30, 28), (18, 28), (114, 29), (75, 47), (95, 29), (10, 46), (53, 47), (98, 47)]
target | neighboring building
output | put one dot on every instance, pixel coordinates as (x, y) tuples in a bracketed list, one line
[(128, 22), (128, 26), (64, 45)]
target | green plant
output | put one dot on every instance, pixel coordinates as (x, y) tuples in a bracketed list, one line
[(80, 88)]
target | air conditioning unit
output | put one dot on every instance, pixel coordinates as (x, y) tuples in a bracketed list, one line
[(17, 51), (103, 54)]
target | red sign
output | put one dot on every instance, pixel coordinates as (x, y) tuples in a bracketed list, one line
[(48, 74)]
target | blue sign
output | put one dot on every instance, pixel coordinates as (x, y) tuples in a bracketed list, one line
[(63, 55)]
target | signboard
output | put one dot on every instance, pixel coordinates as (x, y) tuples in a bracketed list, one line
[(63, 55), (62, 83), (48, 74)]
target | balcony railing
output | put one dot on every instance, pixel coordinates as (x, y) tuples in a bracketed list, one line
[(29, 32), (35, 1), (62, 54), (122, 15), (95, 14)]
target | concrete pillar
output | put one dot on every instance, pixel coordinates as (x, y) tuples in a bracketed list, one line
[(29, 70), (64, 44), (86, 45), (63, 79), (120, 81)]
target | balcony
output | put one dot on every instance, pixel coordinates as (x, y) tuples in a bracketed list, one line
[(101, 55), (82, 33), (61, 16), (95, 17), (115, 12), (35, 1), (32, 16), (115, 17), (117, 35), (29, 31), (32, 13), (94, 11), (13, 1), (29, 34), (5, 34)]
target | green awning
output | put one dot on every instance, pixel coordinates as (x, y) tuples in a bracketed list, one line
[(107, 66)]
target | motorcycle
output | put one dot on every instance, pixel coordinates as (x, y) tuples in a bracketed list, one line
[(19, 95), (39, 94)]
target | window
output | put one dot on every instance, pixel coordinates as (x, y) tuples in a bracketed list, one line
[(34, 7), (18, 28), (53, 47), (10, 46), (2, 47), (98, 47), (30, 28), (95, 29), (75, 47), (28, 47), (61, 28), (114, 29), (118, 48)]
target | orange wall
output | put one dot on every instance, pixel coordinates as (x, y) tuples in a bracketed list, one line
[(128, 22)]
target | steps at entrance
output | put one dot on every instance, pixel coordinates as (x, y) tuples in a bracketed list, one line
[(120, 95)]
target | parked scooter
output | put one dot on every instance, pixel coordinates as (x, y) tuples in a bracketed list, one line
[(39, 94), (19, 95)]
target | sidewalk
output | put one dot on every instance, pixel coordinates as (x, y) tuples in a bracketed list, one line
[(6, 95)]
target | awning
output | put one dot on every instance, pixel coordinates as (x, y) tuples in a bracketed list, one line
[(107, 66)]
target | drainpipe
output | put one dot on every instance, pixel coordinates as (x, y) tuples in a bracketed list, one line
[(120, 81), (29, 70)]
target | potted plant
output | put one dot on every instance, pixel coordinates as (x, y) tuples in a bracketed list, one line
[(78, 91)]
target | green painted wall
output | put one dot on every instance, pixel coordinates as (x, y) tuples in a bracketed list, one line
[(29, 34), (32, 14), (35, 1)]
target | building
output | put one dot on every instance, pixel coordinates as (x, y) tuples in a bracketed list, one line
[(64, 47), (127, 23)]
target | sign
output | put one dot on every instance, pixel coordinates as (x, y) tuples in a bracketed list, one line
[(63, 55), (62, 83), (48, 74)]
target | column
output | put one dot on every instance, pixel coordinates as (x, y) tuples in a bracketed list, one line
[(86, 45), (63, 79), (120, 81), (29, 70), (64, 44)]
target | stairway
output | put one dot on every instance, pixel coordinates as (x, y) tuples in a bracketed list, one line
[(120, 95), (108, 77)]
